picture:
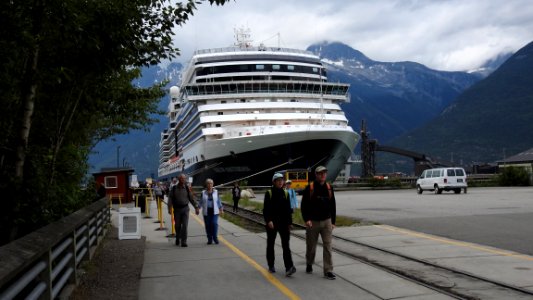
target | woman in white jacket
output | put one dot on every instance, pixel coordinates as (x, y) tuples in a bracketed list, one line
[(211, 207)]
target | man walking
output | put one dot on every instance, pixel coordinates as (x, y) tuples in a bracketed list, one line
[(178, 198), (319, 212), (278, 218)]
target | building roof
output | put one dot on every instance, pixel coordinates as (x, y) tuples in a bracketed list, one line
[(114, 170), (522, 157)]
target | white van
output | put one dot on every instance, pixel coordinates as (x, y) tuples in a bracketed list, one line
[(437, 180)]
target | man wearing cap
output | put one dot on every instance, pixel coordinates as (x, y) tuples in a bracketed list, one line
[(278, 219), (319, 212)]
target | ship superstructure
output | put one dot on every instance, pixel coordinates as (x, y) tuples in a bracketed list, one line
[(242, 110)]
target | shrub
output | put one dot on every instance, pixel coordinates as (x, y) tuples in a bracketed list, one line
[(513, 176)]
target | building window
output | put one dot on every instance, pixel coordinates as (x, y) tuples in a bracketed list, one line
[(217, 125), (111, 182), (220, 113), (223, 101)]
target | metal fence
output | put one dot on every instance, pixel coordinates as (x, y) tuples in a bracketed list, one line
[(42, 264)]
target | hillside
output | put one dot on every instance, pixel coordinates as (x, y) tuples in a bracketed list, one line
[(394, 97), (490, 120)]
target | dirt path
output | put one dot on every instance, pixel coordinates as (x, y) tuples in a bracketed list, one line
[(114, 272)]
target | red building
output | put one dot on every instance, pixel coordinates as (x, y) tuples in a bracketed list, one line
[(116, 182)]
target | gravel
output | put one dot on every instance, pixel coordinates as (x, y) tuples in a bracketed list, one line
[(115, 270)]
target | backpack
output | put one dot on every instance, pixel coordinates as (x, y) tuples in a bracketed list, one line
[(312, 187)]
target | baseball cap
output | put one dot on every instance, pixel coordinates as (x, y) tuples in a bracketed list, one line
[(276, 176), (288, 181), (320, 169)]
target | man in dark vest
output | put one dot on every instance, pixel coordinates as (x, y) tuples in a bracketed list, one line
[(319, 212), (278, 218), (178, 198)]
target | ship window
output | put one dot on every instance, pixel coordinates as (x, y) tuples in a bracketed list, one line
[(259, 67), (328, 112), (223, 101), (243, 67), (293, 100), (315, 70), (217, 125), (290, 68), (275, 67), (243, 100), (220, 113)]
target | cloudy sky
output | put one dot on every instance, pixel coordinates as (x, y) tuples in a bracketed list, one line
[(442, 34)]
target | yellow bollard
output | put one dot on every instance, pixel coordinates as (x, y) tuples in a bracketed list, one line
[(110, 201), (173, 222), (137, 200), (119, 200)]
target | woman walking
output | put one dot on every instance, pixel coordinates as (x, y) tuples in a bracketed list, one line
[(211, 208)]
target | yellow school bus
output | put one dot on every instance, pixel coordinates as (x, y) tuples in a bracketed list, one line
[(298, 177)]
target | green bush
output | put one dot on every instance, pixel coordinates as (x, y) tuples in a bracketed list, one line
[(513, 176)]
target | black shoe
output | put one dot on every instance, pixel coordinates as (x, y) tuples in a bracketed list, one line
[(309, 269), (184, 245), (330, 276), (177, 242), (271, 269), (290, 271), (216, 242), (209, 242)]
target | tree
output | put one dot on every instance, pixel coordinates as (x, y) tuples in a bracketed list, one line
[(67, 68)]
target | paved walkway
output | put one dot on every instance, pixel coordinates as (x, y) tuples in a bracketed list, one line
[(236, 268)]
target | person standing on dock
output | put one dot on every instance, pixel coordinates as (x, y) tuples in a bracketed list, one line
[(292, 195), (278, 219), (211, 208), (178, 198), (319, 213), (236, 194)]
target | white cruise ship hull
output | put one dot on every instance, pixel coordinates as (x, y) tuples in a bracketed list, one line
[(256, 158)]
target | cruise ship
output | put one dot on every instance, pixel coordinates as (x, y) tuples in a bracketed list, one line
[(243, 112)]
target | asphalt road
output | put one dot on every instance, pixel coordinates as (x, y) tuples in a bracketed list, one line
[(498, 217)]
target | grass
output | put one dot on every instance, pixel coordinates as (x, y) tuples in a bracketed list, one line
[(341, 221)]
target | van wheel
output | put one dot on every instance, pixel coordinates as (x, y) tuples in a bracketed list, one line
[(437, 190), (419, 190), (457, 191)]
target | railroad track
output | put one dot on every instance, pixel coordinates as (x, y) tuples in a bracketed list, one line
[(452, 282)]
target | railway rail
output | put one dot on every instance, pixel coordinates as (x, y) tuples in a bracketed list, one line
[(452, 282)]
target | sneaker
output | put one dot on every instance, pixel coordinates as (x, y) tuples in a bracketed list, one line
[(309, 269), (271, 269), (330, 276), (290, 271)]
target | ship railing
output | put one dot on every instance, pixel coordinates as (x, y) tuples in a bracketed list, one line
[(269, 87), (250, 49)]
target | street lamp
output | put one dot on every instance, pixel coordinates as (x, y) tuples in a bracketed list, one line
[(118, 155)]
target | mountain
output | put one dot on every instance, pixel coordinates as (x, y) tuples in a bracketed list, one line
[(393, 97), (492, 64), (138, 149), (490, 120)]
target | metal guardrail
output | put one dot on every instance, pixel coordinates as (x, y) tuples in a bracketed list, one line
[(41, 264)]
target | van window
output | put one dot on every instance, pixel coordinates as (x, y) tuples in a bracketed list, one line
[(459, 172), (451, 172), (433, 173)]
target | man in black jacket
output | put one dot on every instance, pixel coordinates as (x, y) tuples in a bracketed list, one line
[(278, 218), (319, 213)]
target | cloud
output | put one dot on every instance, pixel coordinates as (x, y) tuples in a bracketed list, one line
[(444, 35)]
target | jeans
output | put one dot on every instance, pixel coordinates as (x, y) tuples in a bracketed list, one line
[(211, 227)]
